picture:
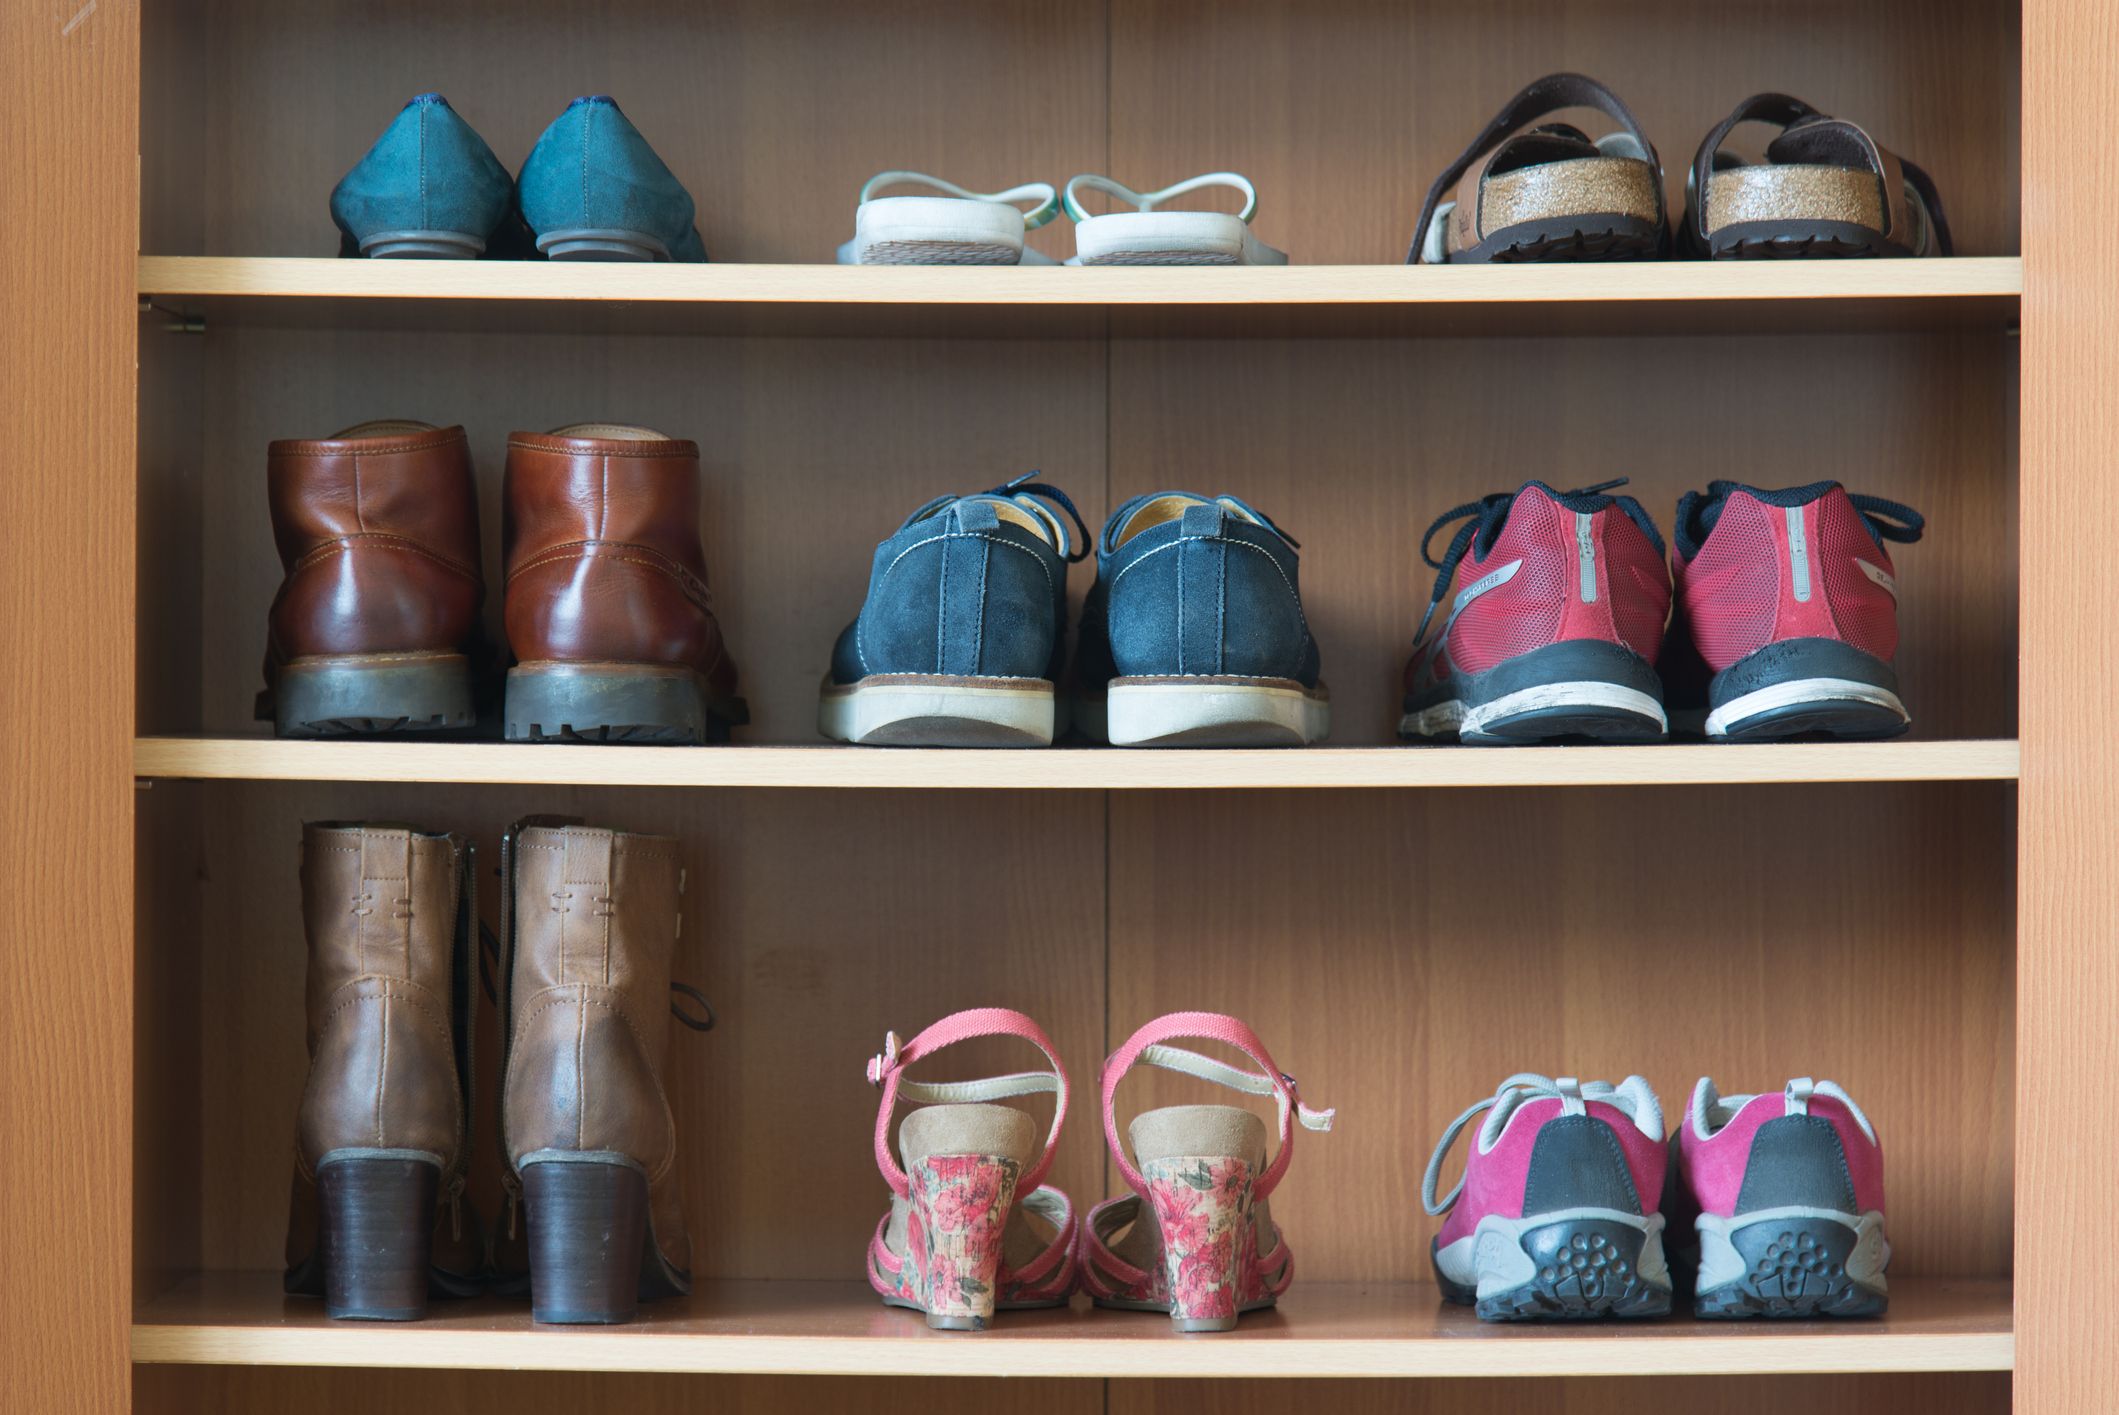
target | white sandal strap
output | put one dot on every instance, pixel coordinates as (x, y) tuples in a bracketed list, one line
[(1040, 192), (993, 1088), (1151, 200), (1206, 1068)]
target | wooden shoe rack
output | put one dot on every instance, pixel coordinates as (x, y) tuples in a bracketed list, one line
[(1932, 922)]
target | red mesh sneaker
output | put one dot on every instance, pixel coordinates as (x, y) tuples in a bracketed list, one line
[(1787, 613), (1556, 632)]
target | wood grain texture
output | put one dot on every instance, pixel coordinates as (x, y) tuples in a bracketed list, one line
[(1069, 768), (2068, 897), (1401, 954), (69, 203), (839, 1328)]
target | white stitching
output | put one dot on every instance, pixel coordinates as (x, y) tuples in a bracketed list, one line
[(859, 643), (1224, 540)]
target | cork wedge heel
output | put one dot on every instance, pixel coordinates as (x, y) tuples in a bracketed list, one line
[(1825, 189), (1547, 192), (972, 1229), (1196, 1238)]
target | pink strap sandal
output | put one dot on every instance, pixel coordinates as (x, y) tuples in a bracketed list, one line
[(1204, 1247), (956, 1244)]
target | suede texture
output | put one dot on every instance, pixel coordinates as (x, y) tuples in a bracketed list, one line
[(592, 170), (1715, 1167), (1494, 1182), (1207, 593), (429, 171), (957, 591)]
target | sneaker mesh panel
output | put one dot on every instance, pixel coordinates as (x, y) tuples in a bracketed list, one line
[(1864, 610), (1732, 589), (1523, 614), (1640, 587)]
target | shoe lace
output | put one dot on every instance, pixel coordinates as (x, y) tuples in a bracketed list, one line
[(1026, 492), (1532, 1086), (1699, 511), (1483, 520)]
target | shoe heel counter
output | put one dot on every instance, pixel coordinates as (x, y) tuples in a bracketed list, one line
[(1858, 581), (967, 601), (1213, 602), (1797, 1161), (1578, 1163), (382, 1075), (553, 615), (374, 594), (430, 171), (580, 1081)]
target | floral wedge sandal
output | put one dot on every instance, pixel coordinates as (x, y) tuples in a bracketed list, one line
[(971, 1226), (1195, 1238)]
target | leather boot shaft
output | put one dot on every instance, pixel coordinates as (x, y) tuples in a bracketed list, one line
[(604, 562), (378, 538), (388, 994), (592, 922)]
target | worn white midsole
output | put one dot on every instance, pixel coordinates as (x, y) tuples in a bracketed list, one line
[(1491, 1257), (852, 714), (1172, 233), (1453, 716), (1144, 712), (949, 221), (1796, 692), (1721, 1263)]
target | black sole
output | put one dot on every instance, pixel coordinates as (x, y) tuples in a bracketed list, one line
[(1796, 1270), (1587, 1269), (1563, 239)]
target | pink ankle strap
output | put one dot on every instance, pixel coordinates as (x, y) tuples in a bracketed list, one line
[(886, 1071), (1144, 1045)]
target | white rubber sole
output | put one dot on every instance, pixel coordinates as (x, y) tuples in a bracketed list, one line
[(1170, 238), (1492, 1260), (916, 710), (1721, 1263), (1209, 712), (1453, 718), (1797, 692), (934, 231)]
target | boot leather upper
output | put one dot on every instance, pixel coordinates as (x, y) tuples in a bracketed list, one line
[(594, 920), (378, 539), (603, 556)]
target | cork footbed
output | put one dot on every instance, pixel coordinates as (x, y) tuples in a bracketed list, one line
[(1794, 192), (978, 1130), (617, 432), (1581, 186), (1214, 1131), (385, 427)]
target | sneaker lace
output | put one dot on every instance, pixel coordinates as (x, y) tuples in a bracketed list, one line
[(1886, 519), (1531, 1086), (1483, 520)]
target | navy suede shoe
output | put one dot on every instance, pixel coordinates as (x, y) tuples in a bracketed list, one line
[(592, 189), (429, 187), (1193, 635), (960, 640)]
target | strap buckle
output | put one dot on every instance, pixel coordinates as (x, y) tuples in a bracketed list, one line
[(882, 1065)]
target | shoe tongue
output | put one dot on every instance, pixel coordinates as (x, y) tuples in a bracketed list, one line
[(616, 432), (384, 427)]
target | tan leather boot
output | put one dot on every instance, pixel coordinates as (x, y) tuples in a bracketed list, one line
[(609, 618), (590, 918), (383, 1135)]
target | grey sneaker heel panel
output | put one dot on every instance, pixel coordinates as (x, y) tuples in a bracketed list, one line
[(1797, 1160), (1577, 1163)]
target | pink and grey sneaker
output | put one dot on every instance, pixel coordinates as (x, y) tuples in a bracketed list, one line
[(1555, 631), (1786, 617), (1789, 1190), (1557, 1215)]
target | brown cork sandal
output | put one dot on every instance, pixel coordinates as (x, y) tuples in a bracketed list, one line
[(1825, 189), (1548, 193)]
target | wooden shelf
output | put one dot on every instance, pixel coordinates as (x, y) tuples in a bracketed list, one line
[(1090, 768), (1971, 292), (840, 1328)]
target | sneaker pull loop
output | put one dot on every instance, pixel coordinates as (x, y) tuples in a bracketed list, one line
[(1145, 1045), (886, 1071)]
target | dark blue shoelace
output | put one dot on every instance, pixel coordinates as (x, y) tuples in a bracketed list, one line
[(1024, 486), (1699, 511)]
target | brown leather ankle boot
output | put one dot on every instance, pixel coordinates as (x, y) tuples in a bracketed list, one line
[(378, 537), (590, 920), (609, 619), (383, 1136)]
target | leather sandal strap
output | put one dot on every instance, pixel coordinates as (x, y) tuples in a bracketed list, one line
[(885, 1070), (1537, 98), (1146, 1045)]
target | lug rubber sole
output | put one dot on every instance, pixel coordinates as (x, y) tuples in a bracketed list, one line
[(1207, 711), (926, 710), (1583, 690), (378, 1232), (1580, 1265), (1560, 239), (350, 694), (614, 702), (1792, 1263), (1798, 240), (601, 243)]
